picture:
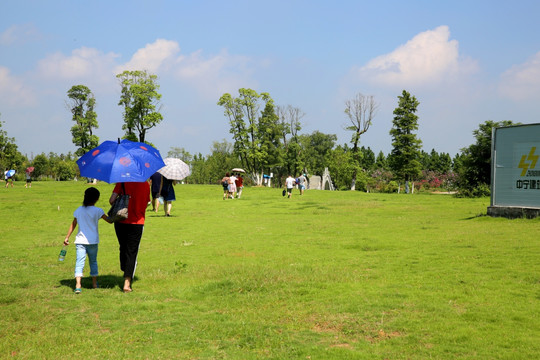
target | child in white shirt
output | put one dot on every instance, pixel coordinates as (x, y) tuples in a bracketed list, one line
[(87, 239)]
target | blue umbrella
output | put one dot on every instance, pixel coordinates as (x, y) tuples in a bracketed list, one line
[(10, 173), (122, 161)]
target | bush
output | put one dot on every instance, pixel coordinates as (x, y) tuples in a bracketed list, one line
[(479, 191), (64, 171), (390, 187)]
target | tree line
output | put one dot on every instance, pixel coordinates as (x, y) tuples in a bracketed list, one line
[(267, 140)]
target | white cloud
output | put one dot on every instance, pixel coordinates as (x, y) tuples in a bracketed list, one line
[(216, 74), (522, 82), (13, 91), (153, 57), (430, 57), (83, 63), (19, 34), (209, 75)]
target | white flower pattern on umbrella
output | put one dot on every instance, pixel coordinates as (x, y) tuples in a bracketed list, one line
[(175, 169)]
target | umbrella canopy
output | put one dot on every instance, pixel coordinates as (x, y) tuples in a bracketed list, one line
[(122, 161), (175, 169), (10, 173), (29, 169), (238, 170)]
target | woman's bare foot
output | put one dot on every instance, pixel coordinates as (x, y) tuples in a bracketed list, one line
[(127, 285)]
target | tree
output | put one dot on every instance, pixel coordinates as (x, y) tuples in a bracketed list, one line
[(360, 110), (475, 167), (64, 170), (41, 165), (289, 121), (255, 135), (81, 105), (406, 147), (317, 148), (269, 131), (368, 158), (341, 166), (381, 162), (199, 170), (220, 160), (180, 153), (10, 157), (140, 99)]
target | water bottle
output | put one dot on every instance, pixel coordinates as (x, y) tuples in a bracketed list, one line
[(62, 253)]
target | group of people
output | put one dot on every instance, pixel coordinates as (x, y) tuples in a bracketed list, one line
[(232, 186), (8, 177), (291, 182), (162, 188), (128, 232)]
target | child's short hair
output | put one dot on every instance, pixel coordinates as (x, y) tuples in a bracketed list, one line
[(91, 196)]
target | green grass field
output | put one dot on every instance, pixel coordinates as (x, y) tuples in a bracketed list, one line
[(330, 275)]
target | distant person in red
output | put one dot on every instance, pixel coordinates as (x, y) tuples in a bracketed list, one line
[(239, 185), (129, 232)]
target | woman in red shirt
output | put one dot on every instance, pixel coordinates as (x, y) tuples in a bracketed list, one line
[(129, 231)]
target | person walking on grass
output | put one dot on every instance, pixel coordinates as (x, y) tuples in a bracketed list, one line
[(129, 232), (290, 182), (8, 178), (225, 183), (302, 180), (232, 182), (239, 185), (87, 239), (167, 193), (28, 180), (155, 184)]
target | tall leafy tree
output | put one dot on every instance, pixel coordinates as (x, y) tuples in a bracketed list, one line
[(10, 157), (289, 120), (404, 158), (269, 131), (200, 173), (220, 160), (381, 161), (341, 166), (41, 165), (81, 104), (360, 110), (141, 101), (255, 134), (475, 167), (368, 158), (317, 147)]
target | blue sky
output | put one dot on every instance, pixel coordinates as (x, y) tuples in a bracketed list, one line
[(465, 61)]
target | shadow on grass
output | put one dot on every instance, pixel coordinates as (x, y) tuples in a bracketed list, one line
[(104, 281), (476, 216)]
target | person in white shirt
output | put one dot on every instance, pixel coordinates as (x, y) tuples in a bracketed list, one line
[(290, 182), (87, 239)]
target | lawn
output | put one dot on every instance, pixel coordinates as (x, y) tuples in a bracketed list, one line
[(326, 275)]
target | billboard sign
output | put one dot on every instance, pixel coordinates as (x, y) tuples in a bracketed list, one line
[(515, 166)]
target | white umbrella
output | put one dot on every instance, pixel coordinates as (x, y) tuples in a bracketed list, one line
[(238, 170), (175, 169)]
